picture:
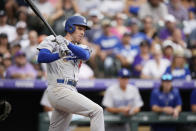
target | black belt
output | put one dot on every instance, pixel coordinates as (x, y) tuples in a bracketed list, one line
[(68, 82)]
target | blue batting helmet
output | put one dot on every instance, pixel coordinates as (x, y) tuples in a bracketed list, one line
[(75, 20)]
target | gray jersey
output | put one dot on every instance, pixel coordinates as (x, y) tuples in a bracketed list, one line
[(64, 68)]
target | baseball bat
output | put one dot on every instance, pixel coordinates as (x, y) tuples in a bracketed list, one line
[(37, 12)]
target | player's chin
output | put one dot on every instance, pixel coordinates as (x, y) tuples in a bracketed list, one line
[(79, 40)]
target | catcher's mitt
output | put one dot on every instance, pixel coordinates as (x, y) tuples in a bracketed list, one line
[(5, 109)]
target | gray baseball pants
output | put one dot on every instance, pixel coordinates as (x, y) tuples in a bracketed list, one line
[(67, 101)]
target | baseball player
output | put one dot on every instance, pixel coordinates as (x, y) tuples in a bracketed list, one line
[(122, 98), (64, 56)]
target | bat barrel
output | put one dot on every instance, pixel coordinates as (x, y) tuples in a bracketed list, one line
[(37, 12)]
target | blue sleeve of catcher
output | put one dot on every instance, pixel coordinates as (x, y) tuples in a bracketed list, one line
[(81, 53), (45, 56)]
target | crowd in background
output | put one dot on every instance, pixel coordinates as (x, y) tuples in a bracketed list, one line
[(148, 37)]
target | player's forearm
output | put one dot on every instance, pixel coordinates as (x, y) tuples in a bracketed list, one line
[(193, 108), (45, 56), (135, 110), (113, 110), (157, 109), (178, 108), (79, 52)]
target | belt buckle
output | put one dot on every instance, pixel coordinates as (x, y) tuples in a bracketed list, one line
[(71, 82)]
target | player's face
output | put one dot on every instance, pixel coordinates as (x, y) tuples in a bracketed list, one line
[(78, 34), (167, 85), (123, 82), (20, 60)]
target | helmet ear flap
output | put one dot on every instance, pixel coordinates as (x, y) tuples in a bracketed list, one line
[(70, 28)]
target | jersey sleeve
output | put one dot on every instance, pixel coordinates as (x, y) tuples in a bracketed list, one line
[(178, 100), (137, 99), (193, 97), (48, 43), (154, 98), (108, 99), (85, 47)]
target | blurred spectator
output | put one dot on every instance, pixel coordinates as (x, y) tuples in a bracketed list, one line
[(45, 7), (119, 28), (2, 71), (190, 24), (154, 68), (86, 72), (107, 43), (166, 99), (7, 61), (21, 69), (5, 28), (110, 7), (85, 6), (176, 9), (64, 9), (1, 58), (192, 39), (94, 22), (22, 36), (4, 45), (15, 47), (31, 54), (21, 3), (136, 3), (122, 98), (149, 29), (31, 49), (125, 53), (154, 8), (133, 6), (178, 68), (11, 8), (177, 38), (22, 14), (141, 59), (34, 23), (168, 49), (136, 36), (170, 26), (188, 3)]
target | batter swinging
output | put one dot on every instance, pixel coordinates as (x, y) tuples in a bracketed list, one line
[(64, 56)]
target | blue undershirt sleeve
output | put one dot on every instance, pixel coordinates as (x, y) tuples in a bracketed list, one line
[(45, 56), (79, 52)]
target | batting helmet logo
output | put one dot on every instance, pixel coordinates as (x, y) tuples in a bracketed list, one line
[(75, 20)]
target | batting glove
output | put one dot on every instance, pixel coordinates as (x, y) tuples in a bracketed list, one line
[(63, 51), (61, 40)]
